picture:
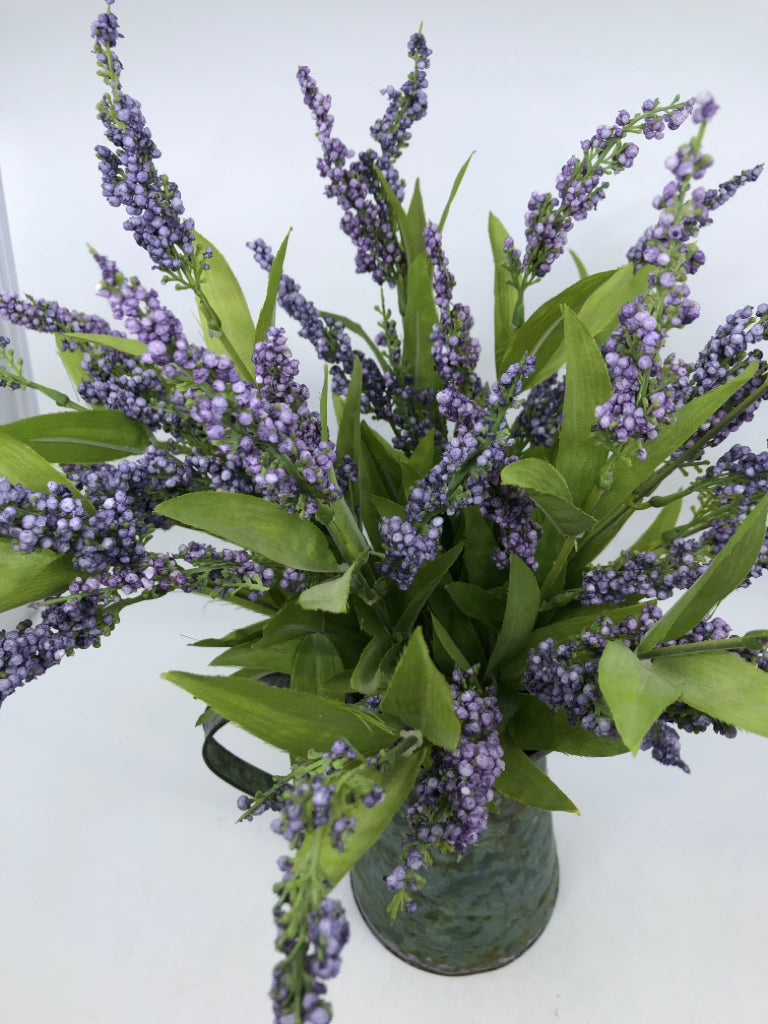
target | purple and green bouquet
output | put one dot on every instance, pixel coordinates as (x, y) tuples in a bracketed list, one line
[(424, 555)]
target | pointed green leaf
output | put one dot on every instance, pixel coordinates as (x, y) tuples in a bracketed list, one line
[(534, 726), (665, 520), (385, 461), (31, 576), (521, 610), (580, 268), (525, 782), (332, 595), (420, 317), (316, 661), (415, 217), (21, 464), (370, 822), (449, 645), (427, 579), (348, 439), (262, 656), (477, 603), (95, 435), (412, 238), (351, 325), (288, 719), (479, 545), (600, 310), (721, 685), (672, 436), (256, 525), (548, 489), (505, 294), (635, 690), (587, 385), (727, 570), (421, 460), (71, 359), (454, 189), (267, 312), (366, 675), (542, 333), (225, 298), (419, 695), (457, 626)]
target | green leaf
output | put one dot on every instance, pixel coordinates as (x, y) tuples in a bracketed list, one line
[(525, 782), (370, 822), (263, 656), (419, 695), (267, 312), (316, 661), (721, 685), (256, 525), (412, 238), (416, 218), (672, 436), (600, 310), (421, 460), (385, 462), (479, 544), (580, 268), (461, 629), (454, 189), (427, 579), (505, 294), (348, 439), (522, 608), (332, 595), (636, 691), (477, 603), (665, 520), (444, 639), (242, 635), (31, 576), (366, 675), (71, 359), (386, 508), (727, 570), (21, 464), (542, 333), (418, 321), (534, 726), (97, 435), (288, 719), (225, 298), (548, 489), (351, 325), (587, 385)]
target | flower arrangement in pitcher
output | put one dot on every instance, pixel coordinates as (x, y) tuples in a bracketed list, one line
[(424, 555)]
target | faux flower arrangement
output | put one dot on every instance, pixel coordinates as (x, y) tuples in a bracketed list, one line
[(430, 572)]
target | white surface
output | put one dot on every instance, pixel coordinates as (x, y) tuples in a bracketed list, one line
[(127, 893)]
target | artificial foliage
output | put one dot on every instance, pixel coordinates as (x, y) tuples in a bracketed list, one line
[(425, 554)]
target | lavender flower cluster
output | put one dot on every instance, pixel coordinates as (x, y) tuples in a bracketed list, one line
[(129, 175), (564, 677), (583, 181), (367, 219), (468, 473), (388, 394), (310, 936), (449, 804)]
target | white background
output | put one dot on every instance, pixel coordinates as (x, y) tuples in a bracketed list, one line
[(126, 892)]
